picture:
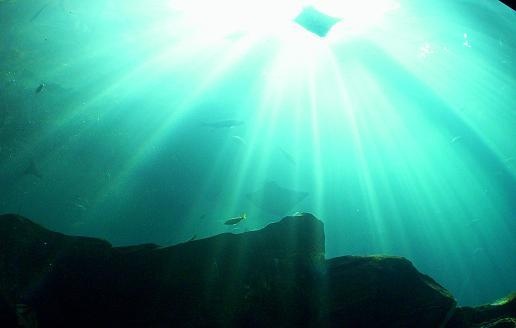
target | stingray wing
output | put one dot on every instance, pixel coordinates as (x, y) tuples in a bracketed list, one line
[(275, 199)]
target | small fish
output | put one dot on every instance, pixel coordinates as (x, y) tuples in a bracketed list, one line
[(40, 88), (455, 139), (222, 124), (287, 156), (235, 220), (79, 206), (36, 15)]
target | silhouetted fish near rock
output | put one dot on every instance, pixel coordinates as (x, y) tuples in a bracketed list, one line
[(235, 220)]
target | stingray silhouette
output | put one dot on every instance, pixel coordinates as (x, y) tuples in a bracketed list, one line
[(315, 21), (33, 170), (275, 199)]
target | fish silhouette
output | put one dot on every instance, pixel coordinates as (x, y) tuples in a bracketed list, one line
[(235, 220), (40, 88), (224, 124)]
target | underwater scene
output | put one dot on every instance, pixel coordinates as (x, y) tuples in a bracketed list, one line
[(167, 121)]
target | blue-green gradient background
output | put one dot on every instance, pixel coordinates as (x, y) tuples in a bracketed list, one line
[(400, 124)]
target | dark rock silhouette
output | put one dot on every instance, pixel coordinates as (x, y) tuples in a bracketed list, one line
[(509, 4), (274, 277), (388, 289), (501, 314)]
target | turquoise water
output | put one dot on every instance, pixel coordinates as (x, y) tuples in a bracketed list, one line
[(156, 121)]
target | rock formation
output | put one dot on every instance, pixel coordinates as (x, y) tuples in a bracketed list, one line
[(274, 277)]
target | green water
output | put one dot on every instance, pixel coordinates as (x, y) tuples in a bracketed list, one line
[(400, 125)]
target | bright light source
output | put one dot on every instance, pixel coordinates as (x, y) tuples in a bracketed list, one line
[(358, 16), (215, 20), (229, 16)]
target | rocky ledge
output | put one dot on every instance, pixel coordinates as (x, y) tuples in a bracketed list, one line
[(274, 277)]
